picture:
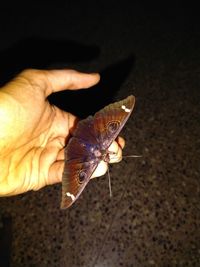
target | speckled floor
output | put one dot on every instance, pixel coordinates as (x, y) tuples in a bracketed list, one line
[(153, 218)]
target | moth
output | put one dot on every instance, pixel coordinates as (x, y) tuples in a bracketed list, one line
[(89, 145)]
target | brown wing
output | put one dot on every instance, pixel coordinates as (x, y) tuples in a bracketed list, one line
[(109, 121), (94, 132), (79, 166)]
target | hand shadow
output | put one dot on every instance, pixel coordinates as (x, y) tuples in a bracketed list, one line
[(83, 103), (42, 54)]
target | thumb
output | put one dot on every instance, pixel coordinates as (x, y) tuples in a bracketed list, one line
[(52, 81)]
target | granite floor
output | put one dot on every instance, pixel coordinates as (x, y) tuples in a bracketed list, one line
[(152, 52)]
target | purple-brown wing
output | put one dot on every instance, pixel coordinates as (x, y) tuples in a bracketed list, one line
[(80, 163), (109, 121), (93, 133), (78, 169)]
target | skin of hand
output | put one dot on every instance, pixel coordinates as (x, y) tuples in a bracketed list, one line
[(33, 132)]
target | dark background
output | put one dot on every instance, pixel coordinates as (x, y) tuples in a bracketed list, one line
[(153, 52)]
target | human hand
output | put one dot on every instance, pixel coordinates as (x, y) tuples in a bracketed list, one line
[(33, 132)]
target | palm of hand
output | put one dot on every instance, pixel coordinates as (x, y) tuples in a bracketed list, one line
[(33, 132)]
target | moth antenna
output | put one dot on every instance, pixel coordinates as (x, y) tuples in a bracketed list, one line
[(115, 214), (109, 183), (132, 156), (129, 156)]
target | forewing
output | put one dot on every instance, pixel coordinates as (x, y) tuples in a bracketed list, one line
[(109, 121), (79, 166), (85, 131)]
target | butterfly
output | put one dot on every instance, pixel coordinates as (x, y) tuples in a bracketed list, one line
[(89, 145)]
